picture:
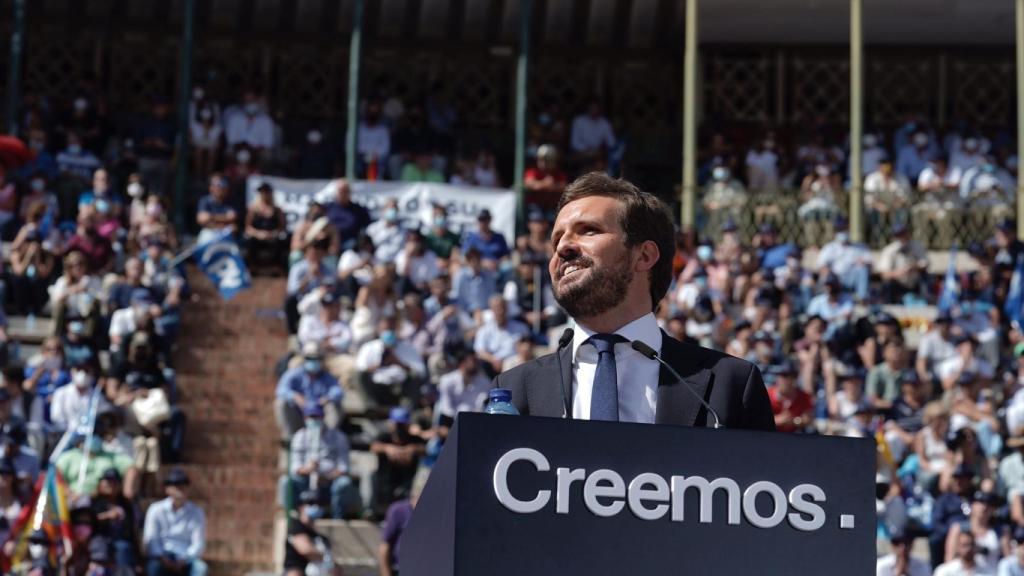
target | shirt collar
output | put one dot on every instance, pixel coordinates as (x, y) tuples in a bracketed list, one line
[(644, 328)]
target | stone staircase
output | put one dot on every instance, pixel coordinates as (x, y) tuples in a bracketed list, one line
[(226, 381)]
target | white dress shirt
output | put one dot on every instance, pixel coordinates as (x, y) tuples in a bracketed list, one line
[(637, 377), (887, 567)]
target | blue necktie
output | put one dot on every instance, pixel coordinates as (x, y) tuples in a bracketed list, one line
[(604, 398)]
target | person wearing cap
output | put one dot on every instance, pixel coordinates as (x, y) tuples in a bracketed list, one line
[(265, 233), (899, 562), (140, 315), (416, 264), (849, 401), (215, 214), (935, 347), (902, 264), (545, 182), (439, 238), (174, 533), (323, 452), (323, 327), (950, 507), (965, 361), (980, 524), (849, 261), (491, 244), (396, 521), (304, 545), (308, 384), (387, 232), (398, 456), (793, 407), (116, 518)]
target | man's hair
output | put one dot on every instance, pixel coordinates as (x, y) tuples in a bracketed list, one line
[(643, 218)]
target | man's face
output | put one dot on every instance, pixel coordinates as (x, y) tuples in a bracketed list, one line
[(218, 188), (344, 193), (469, 365), (177, 493), (893, 355), (484, 224), (499, 310), (965, 546), (591, 269), (785, 383), (100, 182)]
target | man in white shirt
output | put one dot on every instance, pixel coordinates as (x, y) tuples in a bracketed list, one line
[(967, 562), (251, 126), (496, 339), (849, 261), (463, 389), (1013, 565), (965, 362), (325, 328), (373, 143), (71, 403), (968, 156), (591, 132), (387, 233), (899, 562), (884, 190), (388, 363), (763, 166), (935, 347)]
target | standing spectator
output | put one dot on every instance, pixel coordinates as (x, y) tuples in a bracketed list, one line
[(793, 407), (205, 129), (374, 143), (266, 233), (496, 339), (155, 137), (304, 545), (347, 217), (913, 157), (763, 166), (545, 182), (396, 521), (320, 454), (251, 127), (398, 456), (307, 385), (491, 245), (903, 265), (215, 213), (388, 233), (592, 136), (75, 161), (174, 536)]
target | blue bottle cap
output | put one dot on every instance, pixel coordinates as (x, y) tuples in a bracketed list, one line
[(499, 395)]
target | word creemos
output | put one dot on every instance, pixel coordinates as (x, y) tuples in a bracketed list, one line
[(650, 496)]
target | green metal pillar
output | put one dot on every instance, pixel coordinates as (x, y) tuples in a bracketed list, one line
[(856, 121), (184, 100), (355, 57), (14, 70), (1020, 112), (688, 213), (522, 79)]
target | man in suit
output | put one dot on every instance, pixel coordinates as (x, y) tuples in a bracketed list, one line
[(613, 247)]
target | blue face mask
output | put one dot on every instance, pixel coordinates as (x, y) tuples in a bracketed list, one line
[(440, 222), (388, 338), (95, 444), (314, 512), (391, 215), (313, 366)]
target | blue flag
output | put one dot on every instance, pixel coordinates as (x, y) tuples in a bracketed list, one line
[(1015, 295), (222, 263), (950, 295)]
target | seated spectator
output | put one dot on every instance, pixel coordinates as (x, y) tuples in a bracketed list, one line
[(987, 184), (325, 329), (388, 233), (205, 131), (521, 298), (396, 521), (818, 193), (899, 562), (84, 479), (524, 353), (389, 367), (44, 375), (308, 384), (474, 284), (438, 238), (348, 218), (849, 261), (398, 456), (71, 403), (413, 325), (102, 198), (883, 383), (87, 240), (74, 162), (980, 524), (886, 193), (834, 306), (39, 197), (1013, 563), (793, 407), (845, 404), (906, 417), (318, 158), (965, 362), (43, 162), (153, 225), (762, 164), (966, 559), (11, 497), (215, 213), (31, 269), (935, 347), (903, 266), (491, 245), (421, 169), (914, 156), (374, 301), (266, 235), (355, 267), (139, 316), (304, 545), (319, 462), (545, 182), (416, 264), (461, 390), (314, 228), (305, 276), (174, 536), (724, 192), (496, 338)]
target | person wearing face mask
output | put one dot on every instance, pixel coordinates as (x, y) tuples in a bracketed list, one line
[(724, 193), (818, 192), (389, 367), (252, 126), (387, 233), (763, 166), (914, 157), (102, 197), (304, 385), (70, 403), (304, 545), (849, 261), (174, 533), (206, 131), (75, 161), (87, 240), (215, 213), (39, 194), (319, 461), (439, 239), (30, 273), (98, 461), (318, 157)]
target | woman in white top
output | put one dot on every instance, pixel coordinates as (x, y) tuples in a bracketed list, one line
[(933, 455)]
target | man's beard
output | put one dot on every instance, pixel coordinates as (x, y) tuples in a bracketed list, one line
[(605, 289)]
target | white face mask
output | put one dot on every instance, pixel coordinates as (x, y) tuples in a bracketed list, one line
[(135, 190), (314, 137), (197, 93), (82, 379), (252, 108), (37, 551)]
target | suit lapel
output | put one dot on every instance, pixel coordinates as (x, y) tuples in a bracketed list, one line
[(675, 404), (566, 355)]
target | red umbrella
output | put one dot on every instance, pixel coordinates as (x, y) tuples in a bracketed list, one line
[(13, 152)]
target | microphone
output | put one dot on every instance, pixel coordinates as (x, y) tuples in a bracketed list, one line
[(563, 341), (651, 354)]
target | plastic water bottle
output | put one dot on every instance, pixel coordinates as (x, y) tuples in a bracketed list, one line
[(499, 401)]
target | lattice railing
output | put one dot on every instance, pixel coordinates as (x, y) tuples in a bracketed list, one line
[(566, 84), (738, 88), (821, 88), (55, 64), (644, 95), (898, 86), (982, 90), (140, 69), (311, 82)]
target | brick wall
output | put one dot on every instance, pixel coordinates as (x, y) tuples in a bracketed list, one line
[(226, 381)]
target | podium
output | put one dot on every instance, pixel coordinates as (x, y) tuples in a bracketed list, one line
[(525, 495)]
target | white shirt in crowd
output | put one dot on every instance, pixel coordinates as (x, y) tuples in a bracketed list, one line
[(895, 186), (419, 269), (977, 366), (637, 377), (589, 133), (336, 336), (956, 568), (456, 395), (373, 141), (69, 404), (763, 169), (388, 240), (1010, 566), (916, 567), (257, 131), (371, 355), (929, 178)]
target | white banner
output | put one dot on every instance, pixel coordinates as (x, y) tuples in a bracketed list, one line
[(414, 201)]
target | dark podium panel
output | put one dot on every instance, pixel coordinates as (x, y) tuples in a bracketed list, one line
[(515, 496)]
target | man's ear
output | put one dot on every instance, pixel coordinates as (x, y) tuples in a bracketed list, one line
[(647, 256)]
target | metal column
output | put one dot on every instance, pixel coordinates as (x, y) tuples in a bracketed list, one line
[(687, 216), (1020, 112), (184, 101), (355, 56), (522, 79), (14, 70), (856, 122)]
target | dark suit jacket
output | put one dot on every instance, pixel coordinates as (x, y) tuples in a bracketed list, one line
[(733, 387)]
